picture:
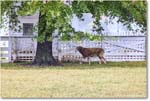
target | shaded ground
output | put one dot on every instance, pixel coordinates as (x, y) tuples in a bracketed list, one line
[(76, 65), (113, 80)]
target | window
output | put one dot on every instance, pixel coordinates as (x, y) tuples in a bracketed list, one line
[(28, 29)]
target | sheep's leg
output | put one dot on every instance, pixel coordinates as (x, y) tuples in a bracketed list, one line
[(100, 62), (104, 60), (80, 60), (101, 57), (89, 61)]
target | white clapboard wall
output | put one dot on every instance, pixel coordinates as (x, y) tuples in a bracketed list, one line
[(117, 48)]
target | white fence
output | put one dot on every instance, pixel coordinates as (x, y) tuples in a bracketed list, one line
[(117, 48), (18, 49), (4, 51)]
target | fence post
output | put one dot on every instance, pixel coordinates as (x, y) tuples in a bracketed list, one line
[(9, 49), (59, 50)]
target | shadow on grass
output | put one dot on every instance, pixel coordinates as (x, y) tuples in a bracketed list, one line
[(76, 65)]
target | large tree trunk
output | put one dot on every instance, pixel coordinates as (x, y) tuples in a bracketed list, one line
[(44, 56)]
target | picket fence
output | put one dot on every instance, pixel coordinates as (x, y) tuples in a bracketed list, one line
[(117, 48)]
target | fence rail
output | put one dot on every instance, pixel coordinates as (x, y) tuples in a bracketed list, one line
[(117, 48), (4, 51)]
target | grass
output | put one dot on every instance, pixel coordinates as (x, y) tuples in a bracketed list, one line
[(77, 65), (113, 80)]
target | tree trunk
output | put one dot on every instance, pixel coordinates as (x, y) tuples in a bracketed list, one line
[(44, 56)]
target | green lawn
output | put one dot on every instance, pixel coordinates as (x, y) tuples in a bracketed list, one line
[(111, 80)]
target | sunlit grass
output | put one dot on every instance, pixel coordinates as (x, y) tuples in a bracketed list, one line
[(113, 80)]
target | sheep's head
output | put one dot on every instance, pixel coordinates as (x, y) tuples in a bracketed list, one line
[(79, 48)]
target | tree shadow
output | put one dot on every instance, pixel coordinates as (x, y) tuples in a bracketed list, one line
[(75, 65)]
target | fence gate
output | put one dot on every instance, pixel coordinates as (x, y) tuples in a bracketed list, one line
[(125, 48)]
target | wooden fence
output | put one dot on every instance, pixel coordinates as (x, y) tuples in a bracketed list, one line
[(117, 48), (4, 51), (19, 48)]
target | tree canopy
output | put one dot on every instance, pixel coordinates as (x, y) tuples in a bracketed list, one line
[(58, 14)]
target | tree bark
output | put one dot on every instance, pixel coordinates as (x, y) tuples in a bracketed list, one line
[(44, 55)]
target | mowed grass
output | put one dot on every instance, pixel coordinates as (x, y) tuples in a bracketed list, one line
[(111, 80)]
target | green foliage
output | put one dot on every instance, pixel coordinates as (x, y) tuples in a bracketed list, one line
[(5, 6), (78, 36), (28, 8), (58, 15), (66, 36), (9, 8), (127, 11), (85, 36)]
